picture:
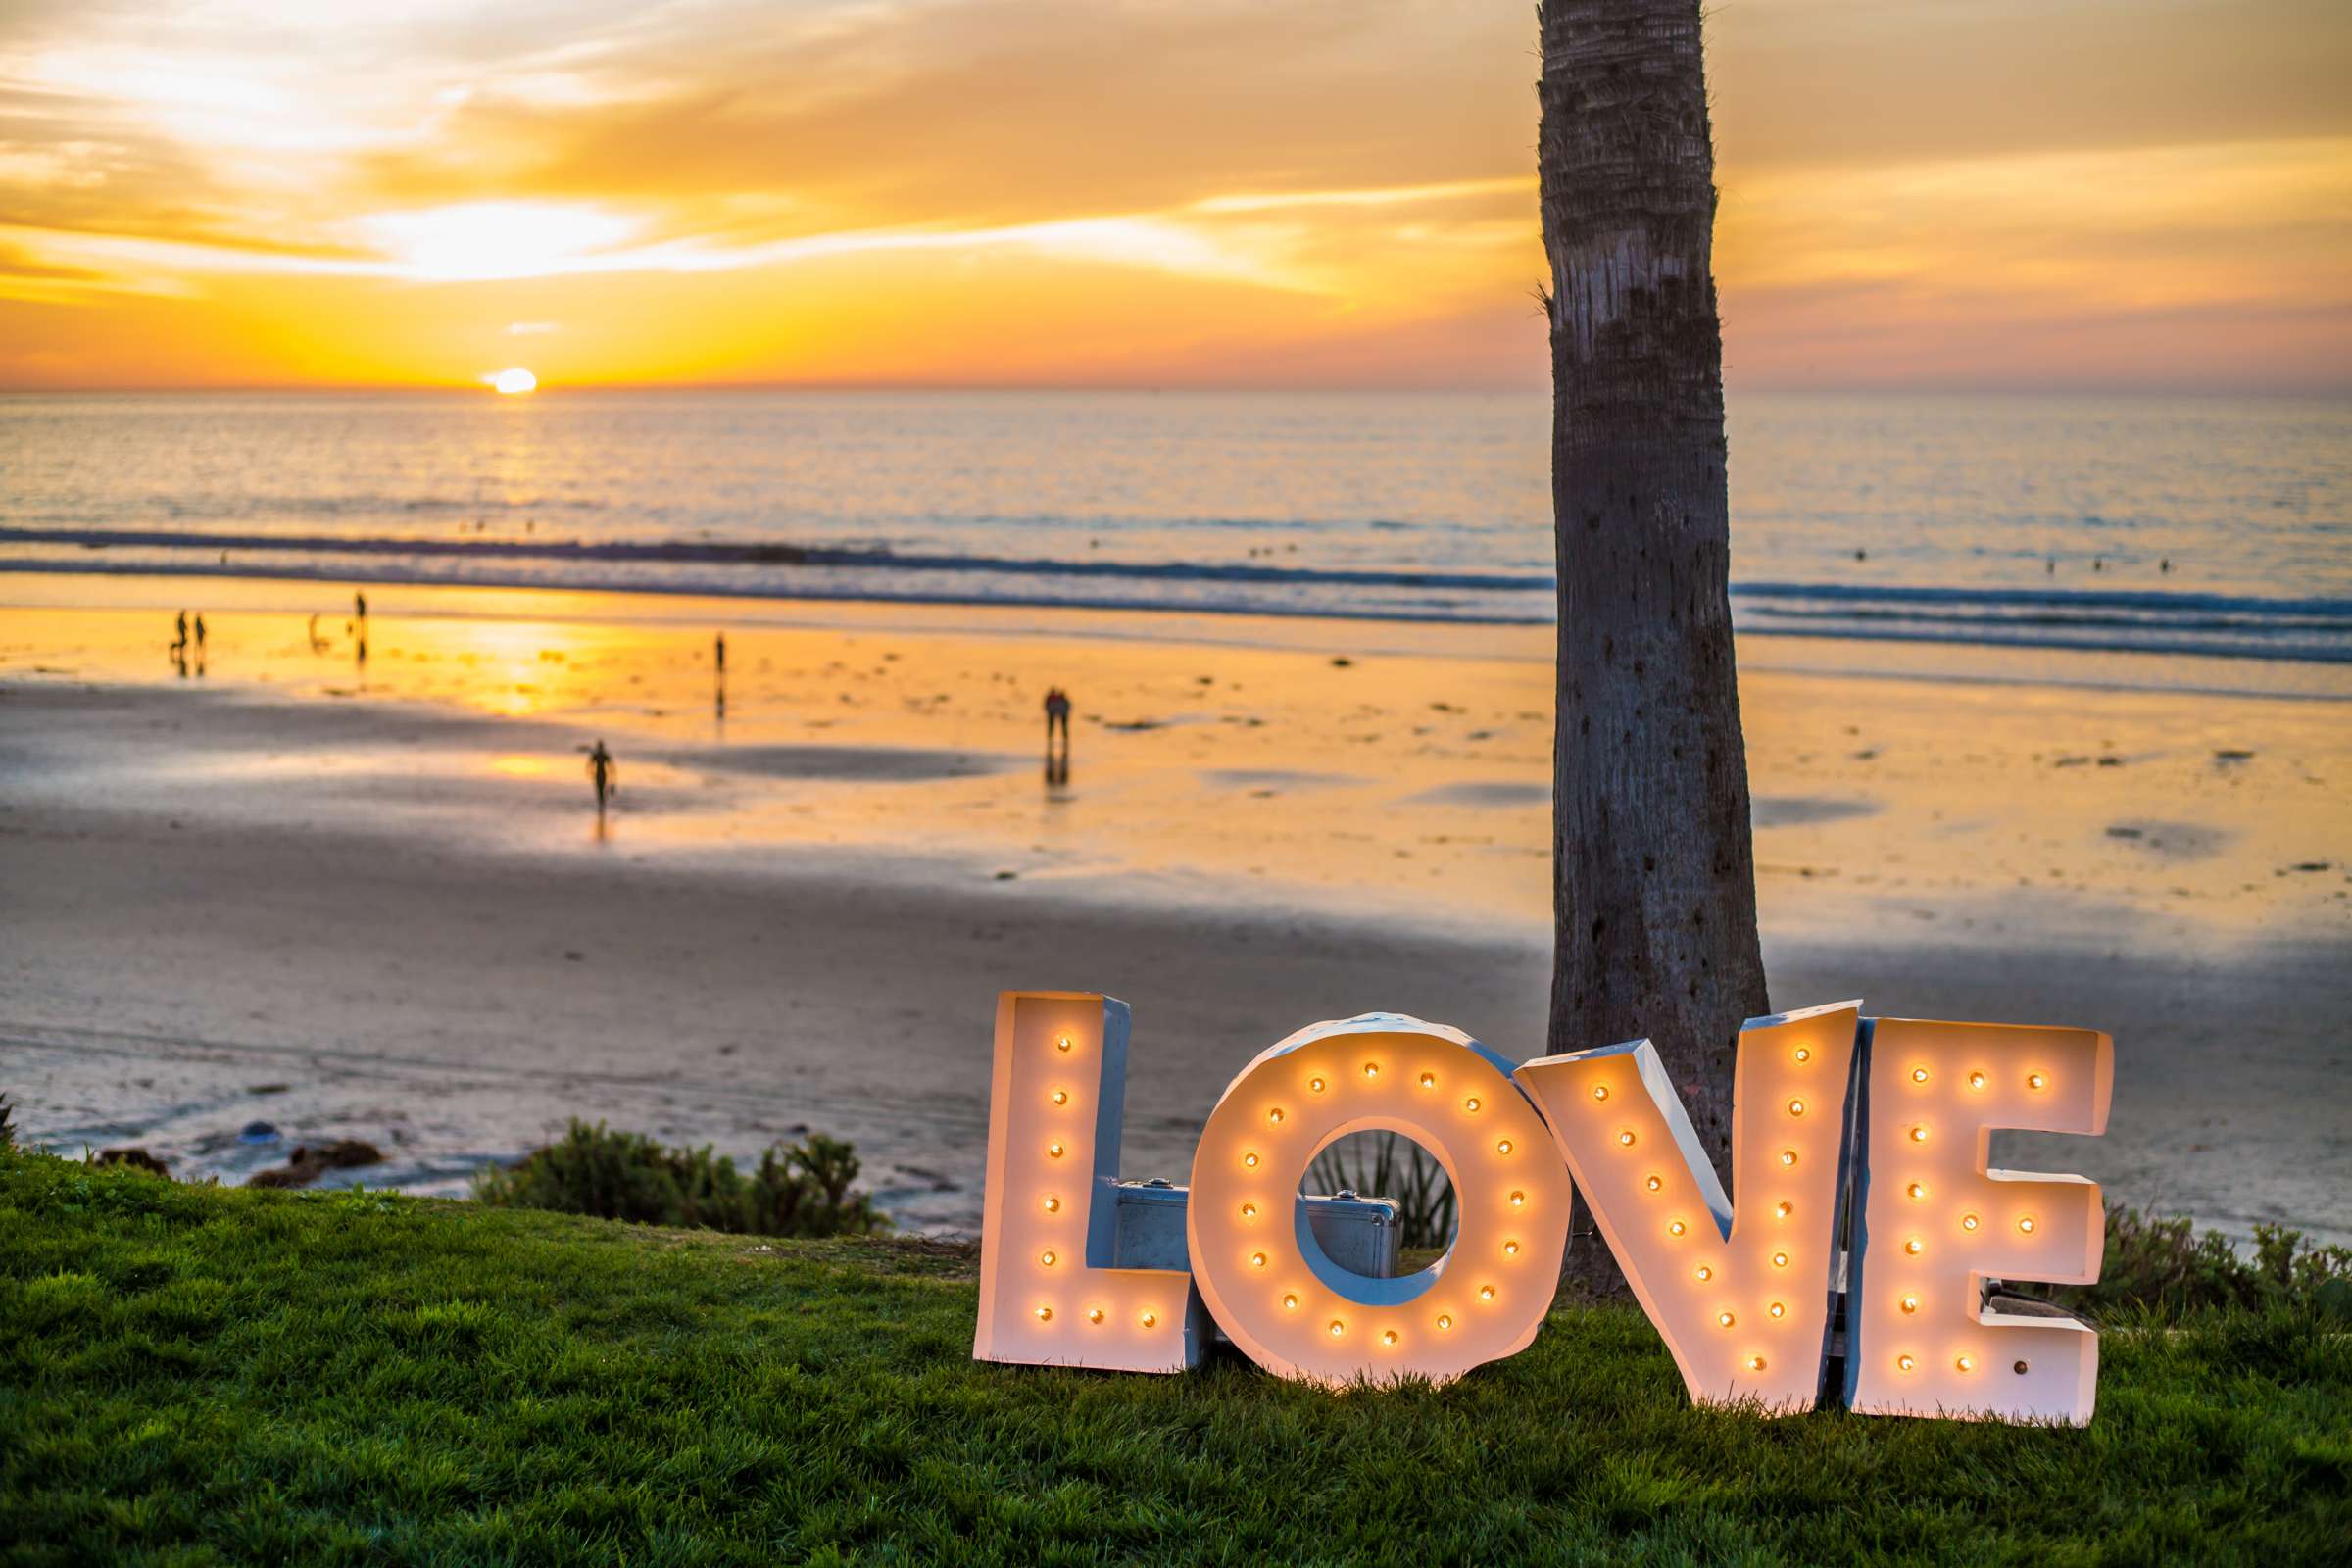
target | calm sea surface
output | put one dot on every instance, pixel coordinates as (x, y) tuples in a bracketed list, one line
[(2204, 529)]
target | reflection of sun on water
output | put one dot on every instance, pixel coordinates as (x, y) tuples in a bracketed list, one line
[(514, 380)]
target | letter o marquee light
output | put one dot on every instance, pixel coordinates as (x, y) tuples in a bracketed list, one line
[(1268, 1283)]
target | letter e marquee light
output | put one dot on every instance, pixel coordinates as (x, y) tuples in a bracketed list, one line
[(1934, 1222), (1860, 1166)]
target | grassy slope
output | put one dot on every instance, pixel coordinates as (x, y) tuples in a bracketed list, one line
[(195, 1375)]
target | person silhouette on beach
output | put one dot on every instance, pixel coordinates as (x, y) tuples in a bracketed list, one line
[(359, 608), (1057, 714), (180, 636), (200, 635), (604, 774), (719, 674)]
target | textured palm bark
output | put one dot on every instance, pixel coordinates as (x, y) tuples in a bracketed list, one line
[(1654, 899)]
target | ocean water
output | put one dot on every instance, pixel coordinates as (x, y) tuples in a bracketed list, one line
[(2214, 529)]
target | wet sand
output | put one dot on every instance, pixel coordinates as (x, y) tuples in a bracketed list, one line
[(371, 902)]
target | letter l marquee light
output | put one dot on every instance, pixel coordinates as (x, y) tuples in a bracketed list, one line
[(1048, 1293)]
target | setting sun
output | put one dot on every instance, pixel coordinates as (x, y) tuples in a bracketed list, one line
[(514, 380)]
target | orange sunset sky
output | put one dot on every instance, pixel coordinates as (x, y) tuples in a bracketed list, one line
[(2099, 193)]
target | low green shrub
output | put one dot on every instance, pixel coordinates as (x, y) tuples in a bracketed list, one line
[(799, 1189), (2161, 1264)]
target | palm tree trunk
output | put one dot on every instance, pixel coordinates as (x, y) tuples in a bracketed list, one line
[(1654, 900)]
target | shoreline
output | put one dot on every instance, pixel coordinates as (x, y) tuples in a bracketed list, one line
[(364, 882)]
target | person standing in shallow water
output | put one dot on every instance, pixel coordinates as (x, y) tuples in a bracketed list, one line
[(603, 774), (1057, 714)]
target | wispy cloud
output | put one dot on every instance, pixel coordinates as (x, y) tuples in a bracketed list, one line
[(1152, 188)]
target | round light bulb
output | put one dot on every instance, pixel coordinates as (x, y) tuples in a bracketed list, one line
[(1723, 1319), (1787, 1157), (2025, 1225), (1755, 1363), (1784, 1209), (1290, 1304), (1518, 1200), (1054, 1150), (1063, 1043), (1804, 1052), (1510, 1248), (1502, 1146), (1445, 1320), (1675, 1228), (1779, 1260), (1257, 1260), (1249, 1212), (1975, 1080), (2035, 1079), (1251, 1160), (1471, 1105), (1150, 1320), (1906, 1363), (1429, 1080), (1968, 1222), (1625, 1139), (1919, 1134), (1966, 1364), (1315, 1084), (1919, 1075), (1914, 1247), (1338, 1328), (1777, 1309), (1371, 1069), (1917, 1191), (1053, 1205), (1910, 1305), (1094, 1314), (1653, 1184), (1485, 1293), (1797, 1107), (1046, 1258), (1388, 1337), (1703, 1272), (1061, 1097), (1274, 1117), (1044, 1315), (1601, 1091)]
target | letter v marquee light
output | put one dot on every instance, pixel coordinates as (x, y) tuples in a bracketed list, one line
[(1741, 1296)]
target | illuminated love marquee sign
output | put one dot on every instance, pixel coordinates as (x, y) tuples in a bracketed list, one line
[(1886, 1123)]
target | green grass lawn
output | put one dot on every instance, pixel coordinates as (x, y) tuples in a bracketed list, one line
[(192, 1374)]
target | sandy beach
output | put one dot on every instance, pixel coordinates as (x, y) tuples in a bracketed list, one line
[(369, 898)]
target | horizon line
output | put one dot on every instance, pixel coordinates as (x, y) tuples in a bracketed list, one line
[(2322, 391)]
